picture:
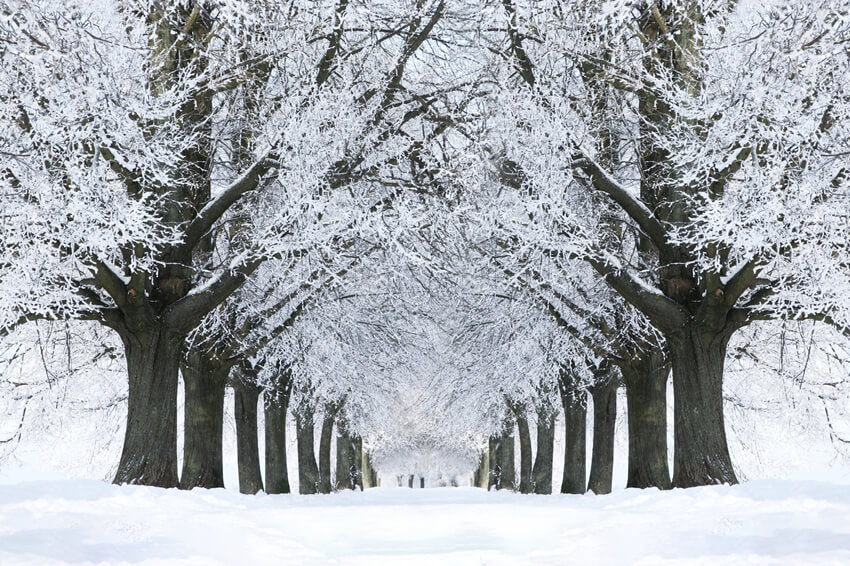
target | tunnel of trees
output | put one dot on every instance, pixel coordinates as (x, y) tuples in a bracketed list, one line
[(425, 238)]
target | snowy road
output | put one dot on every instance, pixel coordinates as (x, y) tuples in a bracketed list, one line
[(762, 522)]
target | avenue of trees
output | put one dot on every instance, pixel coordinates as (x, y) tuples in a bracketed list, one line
[(424, 231)]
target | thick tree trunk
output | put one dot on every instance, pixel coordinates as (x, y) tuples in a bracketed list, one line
[(525, 461), (542, 471), (325, 450), (276, 405), (604, 418), (308, 471), (646, 396), (347, 473), (507, 475), (575, 454), (246, 395), (149, 455), (204, 381), (700, 451)]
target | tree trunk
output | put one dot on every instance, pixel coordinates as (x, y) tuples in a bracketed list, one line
[(482, 475), (325, 449), (700, 451), (246, 395), (347, 473), (525, 478), (507, 472), (574, 402), (542, 471), (493, 464), (367, 473), (276, 405), (204, 380), (646, 396), (358, 462), (604, 418), (149, 455), (308, 471)]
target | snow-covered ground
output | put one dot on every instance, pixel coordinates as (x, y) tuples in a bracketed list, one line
[(47, 523)]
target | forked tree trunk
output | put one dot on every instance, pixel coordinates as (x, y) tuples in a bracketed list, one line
[(525, 461), (604, 420), (325, 449), (542, 471), (574, 401), (700, 451), (507, 476), (308, 471), (246, 395), (645, 379), (276, 405), (204, 381), (149, 455)]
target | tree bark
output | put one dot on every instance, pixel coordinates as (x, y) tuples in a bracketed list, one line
[(700, 451), (325, 449), (604, 419), (507, 475), (574, 400), (493, 465), (367, 473), (346, 455), (525, 462), (204, 381), (646, 396), (149, 455), (482, 475), (542, 471), (308, 471), (276, 405), (246, 395)]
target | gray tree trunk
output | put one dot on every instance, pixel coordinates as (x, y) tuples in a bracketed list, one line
[(246, 395), (507, 472), (645, 379), (604, 420), (574, 401), (276, 406), (367, 473), (700, 451), (525, 455), (308, 470), (149, 455), (482, 475), (204, 381), (347, 472), (325, 449), (542, 472)]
